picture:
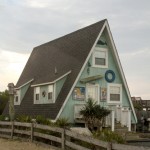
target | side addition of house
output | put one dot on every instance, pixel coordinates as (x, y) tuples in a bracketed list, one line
[(61, 75)]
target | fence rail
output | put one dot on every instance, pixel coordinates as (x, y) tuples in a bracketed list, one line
[(58, 137)]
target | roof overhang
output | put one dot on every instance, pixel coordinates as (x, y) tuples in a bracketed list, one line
[(24, 84), (34, 85)]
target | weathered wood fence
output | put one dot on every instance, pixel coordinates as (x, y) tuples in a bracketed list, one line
[(58, 137)]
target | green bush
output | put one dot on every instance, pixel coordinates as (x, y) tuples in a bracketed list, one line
[(2, 118), (42, 120), (24, 118), (62, 122), (109, 136)]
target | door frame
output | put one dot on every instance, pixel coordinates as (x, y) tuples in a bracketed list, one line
[(98, 93)]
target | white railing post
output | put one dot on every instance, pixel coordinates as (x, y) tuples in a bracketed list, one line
[(112, 120), (129, 120)]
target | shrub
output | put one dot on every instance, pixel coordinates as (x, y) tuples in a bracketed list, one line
[(109, 136), (94, 114), (2, 118), (42, 120), (24, 118), (62, 122)]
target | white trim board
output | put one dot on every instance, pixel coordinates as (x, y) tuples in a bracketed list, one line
[(120, 68), (24, 84), (52, 81), (90, 53)]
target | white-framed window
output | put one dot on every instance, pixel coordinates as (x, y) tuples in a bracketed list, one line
[(100, 57), (114, 93), (51, 93), (37, 93), (92, 92), (17, 98)]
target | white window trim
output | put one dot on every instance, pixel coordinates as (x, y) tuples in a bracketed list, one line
[(96, 85), (108, 93), (53, 95), (18, 93), (93, 57), (36, 101)]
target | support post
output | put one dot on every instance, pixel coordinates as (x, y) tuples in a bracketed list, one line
[(112, 120), (129, 120), (12, 129), (11, 92), (31, 132)]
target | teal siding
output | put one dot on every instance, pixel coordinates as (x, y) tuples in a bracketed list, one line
[(59, 85), (68, 110), (23, 91)]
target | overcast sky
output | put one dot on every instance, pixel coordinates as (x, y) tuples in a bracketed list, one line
[(25, 24)]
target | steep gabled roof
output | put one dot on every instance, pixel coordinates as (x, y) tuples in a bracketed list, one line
[(67, 53)]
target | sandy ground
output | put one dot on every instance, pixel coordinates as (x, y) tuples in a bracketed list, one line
[(19, 145)]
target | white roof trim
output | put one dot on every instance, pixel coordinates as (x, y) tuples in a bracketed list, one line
[(90, 53), (52, 81), (120, 68), (24, 84)]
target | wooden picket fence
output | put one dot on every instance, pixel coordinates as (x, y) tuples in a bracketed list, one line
[(61, 138)]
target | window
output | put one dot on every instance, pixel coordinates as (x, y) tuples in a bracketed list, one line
[(50, 92), (37, 93), (17, 98), (100, 57), (115, 93)]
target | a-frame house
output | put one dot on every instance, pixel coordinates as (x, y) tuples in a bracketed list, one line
[(62, 74)]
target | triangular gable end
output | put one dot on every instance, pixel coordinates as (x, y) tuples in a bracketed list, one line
[(105, 26), (116, 56)]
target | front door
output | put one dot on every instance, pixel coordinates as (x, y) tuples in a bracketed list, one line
[(93, 92)]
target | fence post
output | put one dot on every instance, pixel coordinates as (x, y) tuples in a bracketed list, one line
[(63, 139), (12, 129), (109, 146), (31, 132)]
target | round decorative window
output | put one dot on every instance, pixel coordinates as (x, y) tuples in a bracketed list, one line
[(109, 76), (43, 93)]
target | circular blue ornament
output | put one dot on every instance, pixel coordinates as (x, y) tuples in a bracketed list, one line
[(109, 76)]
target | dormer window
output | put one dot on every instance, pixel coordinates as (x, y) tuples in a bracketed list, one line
[(100, 57)]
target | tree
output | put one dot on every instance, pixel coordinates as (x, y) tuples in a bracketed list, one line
[(4, 96), (94, 115)]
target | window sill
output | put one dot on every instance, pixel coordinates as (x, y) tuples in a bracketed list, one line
[(97, 66)]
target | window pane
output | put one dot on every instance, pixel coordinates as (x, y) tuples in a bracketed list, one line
[(16, 99), (50, 88), (37, 90), (37, 96), (114, 97), (50, 95), (100, 61), (114, 90), (93, 93), (100, 54)]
